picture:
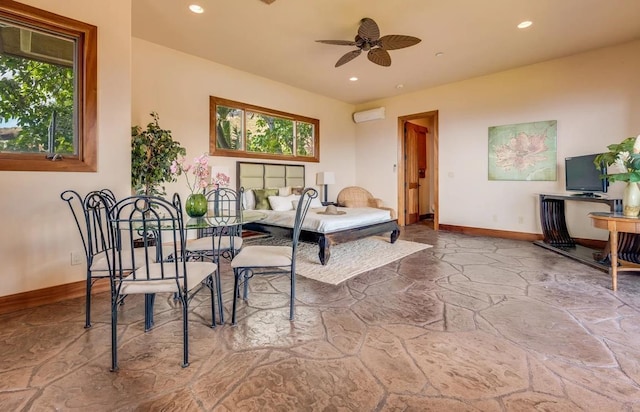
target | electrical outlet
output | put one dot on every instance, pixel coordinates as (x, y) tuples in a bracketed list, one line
[(76, 258), (520, 219), (495, 218)]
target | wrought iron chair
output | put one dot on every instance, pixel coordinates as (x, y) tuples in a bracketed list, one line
[(90, 215), (267, 259), (159, 269), (90, 218), (219, 241)]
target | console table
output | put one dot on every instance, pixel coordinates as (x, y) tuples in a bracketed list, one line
[(555, 233)]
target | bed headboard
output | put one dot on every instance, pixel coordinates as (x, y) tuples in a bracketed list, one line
[(251, 175)]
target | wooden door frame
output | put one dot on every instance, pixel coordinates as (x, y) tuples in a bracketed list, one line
[(401, 165)]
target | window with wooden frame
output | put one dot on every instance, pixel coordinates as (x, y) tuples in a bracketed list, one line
[(243, 130), (48, 87)]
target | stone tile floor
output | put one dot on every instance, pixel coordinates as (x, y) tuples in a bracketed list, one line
[(472, 324)]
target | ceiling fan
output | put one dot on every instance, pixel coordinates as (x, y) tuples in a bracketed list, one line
[(268, 1), (369, 40)]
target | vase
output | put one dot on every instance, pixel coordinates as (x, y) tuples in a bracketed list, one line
[(631, 200), (196, 205)]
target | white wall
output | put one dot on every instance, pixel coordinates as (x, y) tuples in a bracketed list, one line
[(595, 97), (37, 232), (178, 87)]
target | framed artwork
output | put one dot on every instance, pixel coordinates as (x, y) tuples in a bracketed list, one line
[(524, 151)]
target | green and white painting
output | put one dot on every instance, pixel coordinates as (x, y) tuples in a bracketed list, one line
[(524, 151)]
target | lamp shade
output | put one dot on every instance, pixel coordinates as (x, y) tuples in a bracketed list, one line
[(325, 178)]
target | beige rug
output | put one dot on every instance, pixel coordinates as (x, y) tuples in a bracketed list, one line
[(349, 259)]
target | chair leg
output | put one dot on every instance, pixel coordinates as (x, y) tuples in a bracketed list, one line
[(293, 292), (218, 286), (211, 282), (245, 290), (149, 300), (87, 306), (236, 275), (114, 334), (185, 331)]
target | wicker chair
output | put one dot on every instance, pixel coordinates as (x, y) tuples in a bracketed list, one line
[(355, 196)]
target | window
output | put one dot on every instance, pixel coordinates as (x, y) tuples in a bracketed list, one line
[(242, 130), (48, 82)]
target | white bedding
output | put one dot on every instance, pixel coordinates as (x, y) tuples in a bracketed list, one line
[(354, 217)]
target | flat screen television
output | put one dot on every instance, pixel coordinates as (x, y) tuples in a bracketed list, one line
[(581, 175)]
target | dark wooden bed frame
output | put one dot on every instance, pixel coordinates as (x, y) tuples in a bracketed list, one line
[(324, 240)]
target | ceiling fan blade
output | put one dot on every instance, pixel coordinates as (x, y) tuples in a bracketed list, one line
[(338, 42), (379, 56), (348, 57), (397, 41), (368, 29)]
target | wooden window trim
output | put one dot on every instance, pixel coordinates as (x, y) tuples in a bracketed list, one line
[(214, 151), (86, 77)]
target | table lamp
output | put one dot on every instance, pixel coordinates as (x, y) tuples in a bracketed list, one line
[(324, 179)]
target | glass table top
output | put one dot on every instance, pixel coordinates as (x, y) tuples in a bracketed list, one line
[(207, 221)]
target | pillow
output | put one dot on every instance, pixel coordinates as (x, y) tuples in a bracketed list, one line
[(284, 191), (262, 198), (297, 190), (315, 203), (282, 203), (248, 200)]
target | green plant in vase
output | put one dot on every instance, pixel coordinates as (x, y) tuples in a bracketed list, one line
[(152, 152), (624, 158)]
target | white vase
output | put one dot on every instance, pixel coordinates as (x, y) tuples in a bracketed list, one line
[(631, 200)]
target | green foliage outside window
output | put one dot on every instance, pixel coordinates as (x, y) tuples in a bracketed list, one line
[(268, 134), (249, 131), (229, 128), (39, 97)]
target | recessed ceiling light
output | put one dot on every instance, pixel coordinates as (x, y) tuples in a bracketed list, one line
[(196, 9), (525, 24), (439, 54), (353, 79), (399, 86)]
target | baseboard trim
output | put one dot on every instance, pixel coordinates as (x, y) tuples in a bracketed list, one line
[(505, 234), (39, 297)]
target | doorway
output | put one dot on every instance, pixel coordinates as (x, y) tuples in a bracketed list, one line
[(418, 174)]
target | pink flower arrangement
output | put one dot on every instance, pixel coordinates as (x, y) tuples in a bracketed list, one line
[(221, 180), (199, 169)]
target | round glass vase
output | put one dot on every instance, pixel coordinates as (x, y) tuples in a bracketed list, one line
[(196, 205), (631, 200)]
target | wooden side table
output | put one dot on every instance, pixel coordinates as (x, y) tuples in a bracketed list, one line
[(614, 223)]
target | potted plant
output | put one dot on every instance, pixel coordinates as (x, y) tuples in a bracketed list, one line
[(625, 158), (152, 152)]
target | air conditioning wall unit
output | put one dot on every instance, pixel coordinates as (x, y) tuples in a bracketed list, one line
[(367, 115)]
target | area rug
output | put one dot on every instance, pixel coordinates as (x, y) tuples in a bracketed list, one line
[(347, 259)]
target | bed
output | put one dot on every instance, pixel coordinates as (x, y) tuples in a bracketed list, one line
[(325, 230)]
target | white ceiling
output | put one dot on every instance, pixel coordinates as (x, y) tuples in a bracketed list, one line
[(477, 37)]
